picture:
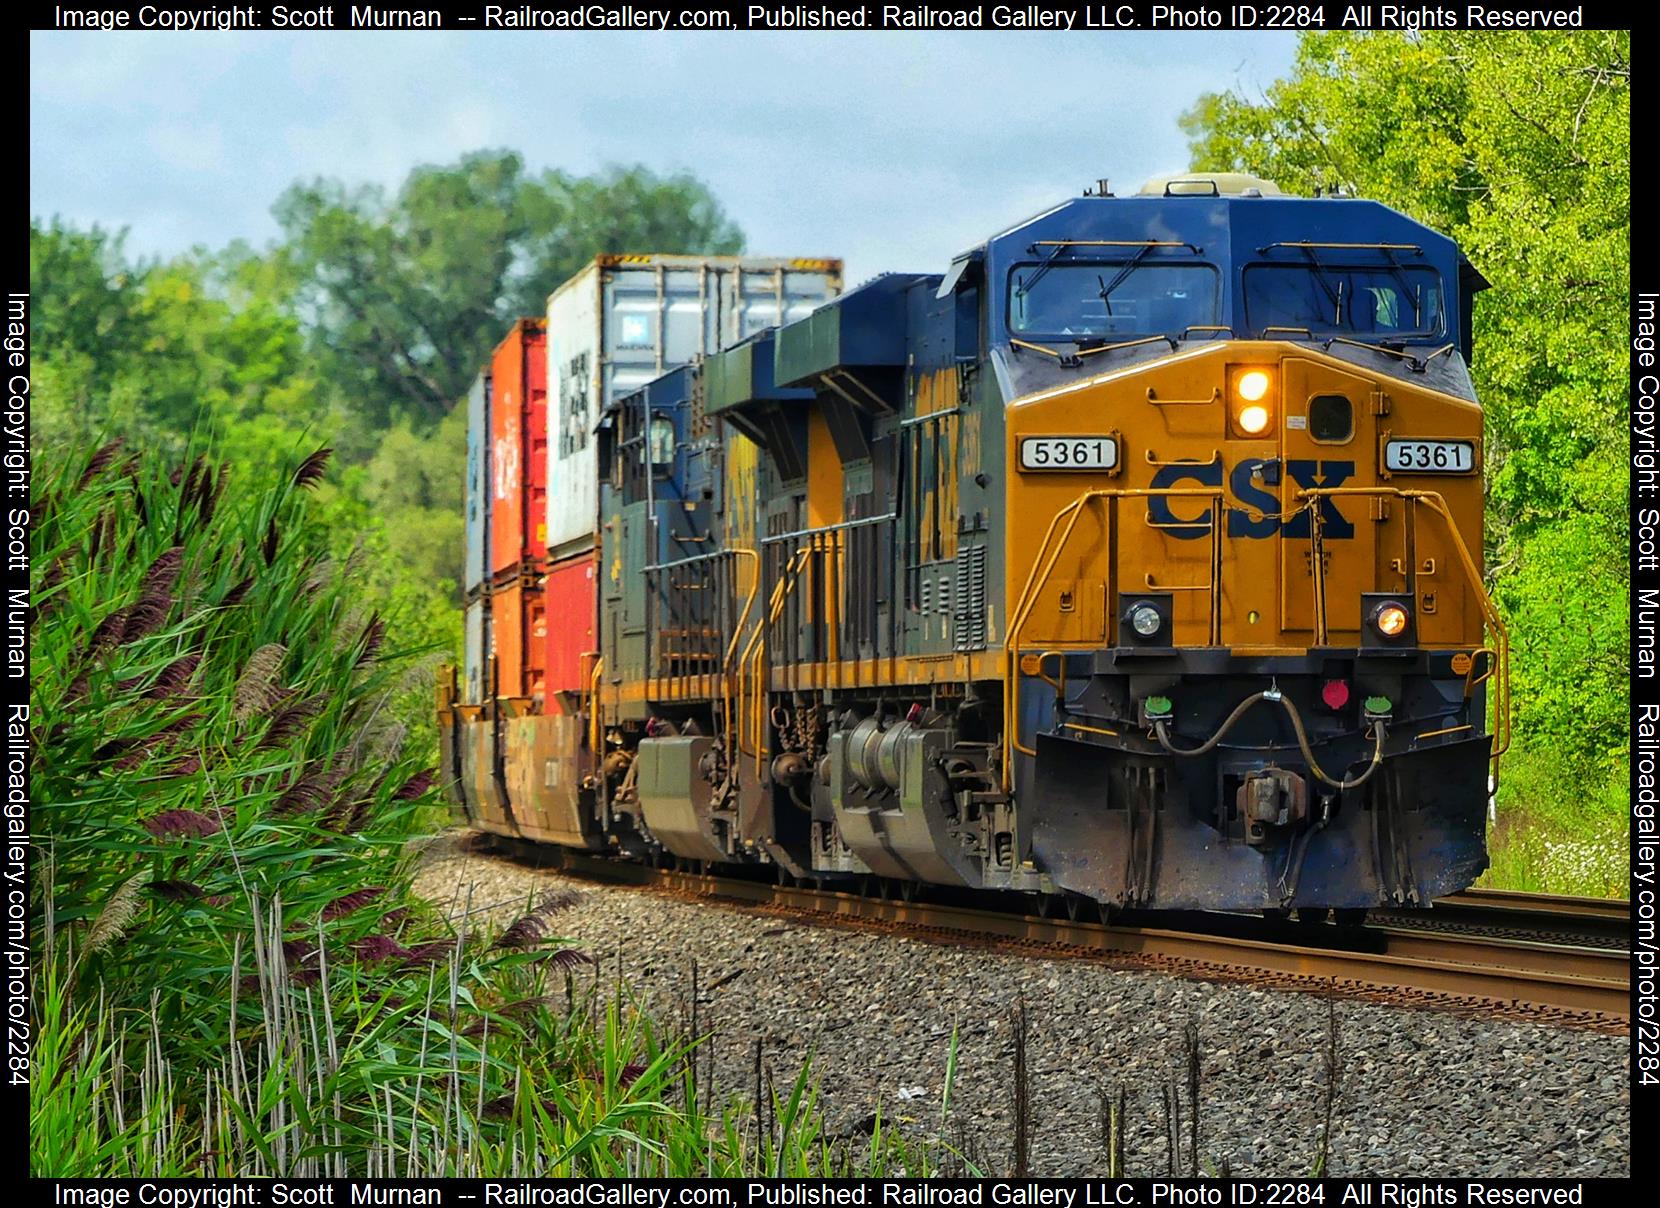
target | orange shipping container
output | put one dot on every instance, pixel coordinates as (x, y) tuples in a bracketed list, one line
[(519, 633), (519, 448), (572, 603)]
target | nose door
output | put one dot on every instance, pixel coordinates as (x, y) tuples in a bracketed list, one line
[(1328, 436)]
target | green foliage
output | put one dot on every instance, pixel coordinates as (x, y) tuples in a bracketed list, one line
[(1562, 828), (410, 293), (1517, 145), (234, 978), (197, 349)]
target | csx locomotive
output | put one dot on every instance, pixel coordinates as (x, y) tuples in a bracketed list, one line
[(1135, 558)]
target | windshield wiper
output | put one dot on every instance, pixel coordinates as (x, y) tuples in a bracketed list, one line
[(1334, 296), (1028, 285), (1129, 267), (1406, 290)]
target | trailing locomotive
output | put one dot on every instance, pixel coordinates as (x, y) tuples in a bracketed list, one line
[(1136, 557)]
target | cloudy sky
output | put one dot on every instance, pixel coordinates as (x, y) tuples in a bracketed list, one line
[(891, 150)]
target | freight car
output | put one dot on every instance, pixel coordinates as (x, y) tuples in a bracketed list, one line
[(1135, 558)]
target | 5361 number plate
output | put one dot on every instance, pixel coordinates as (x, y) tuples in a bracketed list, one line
[(1068, 453), (1429, 456)]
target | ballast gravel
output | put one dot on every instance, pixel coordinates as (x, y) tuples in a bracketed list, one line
[(1420, 1093)]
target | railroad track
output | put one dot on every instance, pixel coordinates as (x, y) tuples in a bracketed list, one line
[(1484, 951)]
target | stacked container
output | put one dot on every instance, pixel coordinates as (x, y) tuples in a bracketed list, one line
[(618, 324), (505, 634), (625, 320), (532, 509)]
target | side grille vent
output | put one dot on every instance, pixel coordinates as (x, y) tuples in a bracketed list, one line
[(969, 618)]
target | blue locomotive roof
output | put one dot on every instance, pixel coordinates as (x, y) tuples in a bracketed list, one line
[(1230, 234)]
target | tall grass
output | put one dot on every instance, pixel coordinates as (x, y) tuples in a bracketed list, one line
[(234, 977), (1558, 830)]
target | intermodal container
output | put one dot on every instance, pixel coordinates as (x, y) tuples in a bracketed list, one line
[(519, 450), (475, 661), (478, 482), (624, 320), (573, 607), (518, 639)]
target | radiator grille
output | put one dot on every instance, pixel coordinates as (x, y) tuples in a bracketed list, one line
[(969, 618)]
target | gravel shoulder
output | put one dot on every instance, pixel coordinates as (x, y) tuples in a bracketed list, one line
[(1420, 1093)]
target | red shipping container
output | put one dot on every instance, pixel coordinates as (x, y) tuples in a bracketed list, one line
[(518, 632), (573, 603), (519, 448)]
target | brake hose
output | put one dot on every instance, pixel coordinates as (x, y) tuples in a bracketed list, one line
[(1296, 725)]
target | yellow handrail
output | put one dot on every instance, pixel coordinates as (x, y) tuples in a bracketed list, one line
[(1036, 581), (1437, 503), (757, 647), (728, 706), (1041, 570), (593, 707)]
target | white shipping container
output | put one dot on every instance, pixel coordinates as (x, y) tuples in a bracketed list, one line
[(624, 320)]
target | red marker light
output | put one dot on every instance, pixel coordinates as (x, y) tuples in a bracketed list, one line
[(1335, 694)]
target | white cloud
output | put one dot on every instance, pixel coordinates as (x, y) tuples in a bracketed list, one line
[(891, 150)]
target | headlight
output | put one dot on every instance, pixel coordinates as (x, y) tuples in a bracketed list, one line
[(1145, 620), (1390, 618), (1251, 400), (1252, 385)]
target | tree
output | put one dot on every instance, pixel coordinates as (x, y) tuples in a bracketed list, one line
[(200, 348), (408, 294), (1519, 146)]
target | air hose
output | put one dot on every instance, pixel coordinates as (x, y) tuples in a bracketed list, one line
[(1159, 729)]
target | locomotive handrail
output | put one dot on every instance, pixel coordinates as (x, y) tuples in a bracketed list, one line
[(1195, 248), (594, 726), (1042, 569), (1035, 581), (755, 649), (1437, 503), (709, 557), (1370, 247), (728, 686), (1215, 396), (859, 522)]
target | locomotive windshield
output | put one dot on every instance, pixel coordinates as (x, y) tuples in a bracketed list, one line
[(1368, 303), (1120, 300)]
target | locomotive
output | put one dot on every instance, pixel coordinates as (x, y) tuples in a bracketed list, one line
[(1135, 558)]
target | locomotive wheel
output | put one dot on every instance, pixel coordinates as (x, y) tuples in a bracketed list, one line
[(1312, 915), (1350, 916)]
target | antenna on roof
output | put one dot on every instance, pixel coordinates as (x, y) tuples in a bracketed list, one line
[(1103, 188)]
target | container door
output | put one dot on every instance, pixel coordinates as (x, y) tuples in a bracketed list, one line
[(476, 646), (573, 360), (507, 466), (478, 482), (507, 633), (571, 603), (535, 515)]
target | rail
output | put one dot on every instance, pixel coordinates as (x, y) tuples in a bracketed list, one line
[(1495, 657), (1550, 978)]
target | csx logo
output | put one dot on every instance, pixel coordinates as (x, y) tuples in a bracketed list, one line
[(1249, 489)]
